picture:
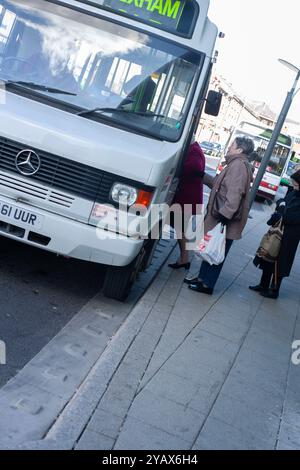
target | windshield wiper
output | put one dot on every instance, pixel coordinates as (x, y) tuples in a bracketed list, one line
[(118, 110), (37, 86)]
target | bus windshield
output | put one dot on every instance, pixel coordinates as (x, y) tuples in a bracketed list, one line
[(51, 49)]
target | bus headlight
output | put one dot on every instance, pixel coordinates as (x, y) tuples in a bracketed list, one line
[(127, 210), (123, 194), (128, 196)]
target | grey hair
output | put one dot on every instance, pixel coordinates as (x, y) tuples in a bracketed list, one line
[(246, 144)]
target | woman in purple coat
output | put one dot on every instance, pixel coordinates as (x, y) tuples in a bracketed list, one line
[(189, 197)]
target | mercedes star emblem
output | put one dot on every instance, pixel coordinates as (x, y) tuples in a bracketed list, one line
[(28, 162)]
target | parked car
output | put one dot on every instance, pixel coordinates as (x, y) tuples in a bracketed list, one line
[(211, 148)]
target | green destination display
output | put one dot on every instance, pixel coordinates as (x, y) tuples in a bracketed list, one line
[(159, 12), (176, 16), (282, 139)]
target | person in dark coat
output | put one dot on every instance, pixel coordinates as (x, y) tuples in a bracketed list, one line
[(289, 210), (189, 198)]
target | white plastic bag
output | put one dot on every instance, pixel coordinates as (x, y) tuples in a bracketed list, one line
[(212, 247), (194, 232)]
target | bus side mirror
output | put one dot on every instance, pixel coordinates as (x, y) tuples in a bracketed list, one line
[(213, 103)]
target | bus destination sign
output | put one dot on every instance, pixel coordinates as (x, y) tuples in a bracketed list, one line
[(164, 14)]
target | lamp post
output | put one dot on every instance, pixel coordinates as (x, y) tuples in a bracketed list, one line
[(281, 119)]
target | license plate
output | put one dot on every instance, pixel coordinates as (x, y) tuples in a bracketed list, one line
[(19, 216)]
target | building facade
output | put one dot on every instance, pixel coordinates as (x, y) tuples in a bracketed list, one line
[(234, 110)]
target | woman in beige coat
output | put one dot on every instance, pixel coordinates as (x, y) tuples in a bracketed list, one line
[(229, 204)]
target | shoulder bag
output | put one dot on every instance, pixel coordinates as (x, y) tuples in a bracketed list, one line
[(271, 242)]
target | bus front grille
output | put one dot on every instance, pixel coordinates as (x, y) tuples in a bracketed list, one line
[(29, 188), (57, 173)]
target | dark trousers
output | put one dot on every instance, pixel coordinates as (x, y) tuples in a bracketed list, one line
[(209, 274), (268, 280)]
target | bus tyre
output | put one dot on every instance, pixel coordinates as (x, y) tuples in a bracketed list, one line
[(119, 279), (260, 199)]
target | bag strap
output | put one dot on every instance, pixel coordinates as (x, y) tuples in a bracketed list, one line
[(279, 224), (276, 274)]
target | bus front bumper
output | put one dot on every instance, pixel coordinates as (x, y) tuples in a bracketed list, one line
[(65, 236)]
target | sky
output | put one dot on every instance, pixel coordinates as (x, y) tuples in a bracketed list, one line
[(257, 33)]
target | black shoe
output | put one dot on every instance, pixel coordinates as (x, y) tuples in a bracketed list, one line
[(257, 288), (178, 266), (270, 294), (195, 280), (199, 287)]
